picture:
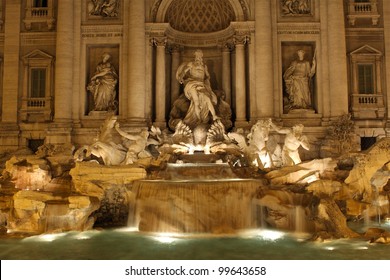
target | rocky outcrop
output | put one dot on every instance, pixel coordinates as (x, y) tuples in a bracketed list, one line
[(37, 212), (365, 166), (302, 173), (110, 185), (28, 172)]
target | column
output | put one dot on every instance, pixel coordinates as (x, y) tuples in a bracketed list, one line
[(136, 63), (160, 82), (226, 73), (63, 84), (338, 86), (386, 23), (240, 42), (175, 85), (149, 79), (264, 63), (9, 130)]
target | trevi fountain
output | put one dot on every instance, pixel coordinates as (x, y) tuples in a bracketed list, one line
[(199, 189)]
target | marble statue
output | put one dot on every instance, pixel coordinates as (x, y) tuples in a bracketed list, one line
[(196, 79), (293, 140), (105, 8), (296, 7), (256, 148), (103, 85), (117, 147), (223, 109), (298, 78), (135, 143)]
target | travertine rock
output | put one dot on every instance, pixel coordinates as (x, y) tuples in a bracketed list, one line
[(366, 165), (28, 172), (38, 212)]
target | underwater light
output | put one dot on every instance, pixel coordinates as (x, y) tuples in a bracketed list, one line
[(46, 237), (165, 237), (271, 234), (329, 248), (127, 229)]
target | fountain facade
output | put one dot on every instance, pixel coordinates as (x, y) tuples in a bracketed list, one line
[(231, 134)]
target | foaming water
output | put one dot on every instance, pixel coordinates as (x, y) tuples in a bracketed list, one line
[(127, 243)]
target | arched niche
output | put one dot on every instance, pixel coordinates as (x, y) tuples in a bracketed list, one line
[(160, 8)]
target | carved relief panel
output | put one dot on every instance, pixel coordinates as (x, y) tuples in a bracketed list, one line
[(103, 10), (296, 8), (102, 84)]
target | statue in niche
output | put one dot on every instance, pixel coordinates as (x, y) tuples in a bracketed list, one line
[(105, 8), (298, 82), (196, 79), (103, 85), (293, 140), (296, 7)]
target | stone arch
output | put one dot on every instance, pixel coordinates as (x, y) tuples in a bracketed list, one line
[(160, 8)]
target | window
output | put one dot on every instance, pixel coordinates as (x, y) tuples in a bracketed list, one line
[(37, 102), (366, 78), (362, 1), (40, 4), (38, 82)]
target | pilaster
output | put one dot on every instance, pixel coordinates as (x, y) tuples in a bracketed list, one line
[(338, 85), (9, 130), (59, 132), (264, 62), (386, 23)]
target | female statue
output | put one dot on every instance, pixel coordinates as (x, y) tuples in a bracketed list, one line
[(103, 85)]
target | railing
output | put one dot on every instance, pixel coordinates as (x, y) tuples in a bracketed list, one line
[(36, 102), (363, 10), (38, 15), (358, 8), (36, 107), (39, 12), (363, 101)]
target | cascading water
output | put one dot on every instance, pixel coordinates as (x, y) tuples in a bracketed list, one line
[(205, 199)]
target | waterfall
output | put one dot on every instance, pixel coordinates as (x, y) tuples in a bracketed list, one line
[(196, 206), (55, 217)]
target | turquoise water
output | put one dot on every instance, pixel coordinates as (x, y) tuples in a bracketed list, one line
[(126, 244)]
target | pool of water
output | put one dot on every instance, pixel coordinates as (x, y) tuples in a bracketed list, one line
[(127, 244)]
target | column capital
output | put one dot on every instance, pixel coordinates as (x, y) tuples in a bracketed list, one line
[(174, 48), (227, 46), (159, 41), (241, 39)]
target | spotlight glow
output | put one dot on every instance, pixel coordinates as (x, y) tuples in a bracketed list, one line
[(46, 237), (166, 238), (271, 235)]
